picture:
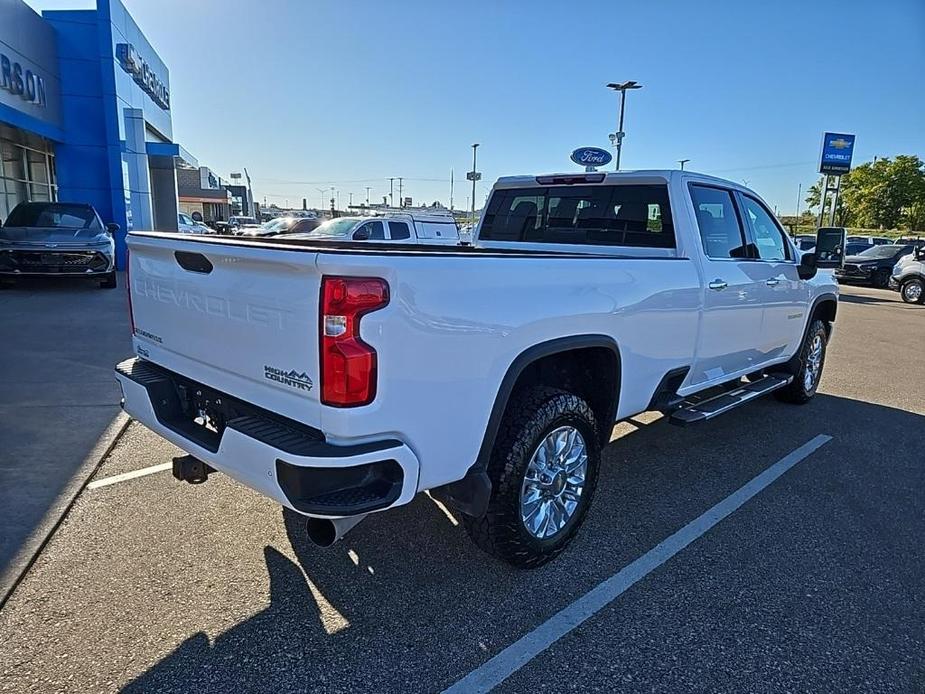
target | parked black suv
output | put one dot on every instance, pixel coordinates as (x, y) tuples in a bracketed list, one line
[(873, 266)]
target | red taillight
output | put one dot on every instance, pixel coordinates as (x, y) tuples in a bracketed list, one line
[(348, 365), (128, 287)]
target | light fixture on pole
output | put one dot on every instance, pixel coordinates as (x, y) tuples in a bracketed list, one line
[(617, 137), (473, 176), (682, 162)]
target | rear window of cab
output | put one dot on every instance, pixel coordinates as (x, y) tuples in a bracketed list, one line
[(614, 215)]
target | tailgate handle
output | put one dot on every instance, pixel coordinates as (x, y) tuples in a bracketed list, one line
[(194, 262)]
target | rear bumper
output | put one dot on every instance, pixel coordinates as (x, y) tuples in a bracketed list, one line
[(283, 459)]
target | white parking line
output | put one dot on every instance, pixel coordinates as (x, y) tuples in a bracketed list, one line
[(507, 662), (115, 479)]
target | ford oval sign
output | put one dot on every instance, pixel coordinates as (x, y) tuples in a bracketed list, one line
[(591, 156)]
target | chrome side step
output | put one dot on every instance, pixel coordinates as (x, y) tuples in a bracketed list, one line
[(695, 412)]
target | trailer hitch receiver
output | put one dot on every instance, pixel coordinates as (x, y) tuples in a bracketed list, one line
[(186, 468)]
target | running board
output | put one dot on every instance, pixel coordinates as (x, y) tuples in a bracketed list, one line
[(694, 412)]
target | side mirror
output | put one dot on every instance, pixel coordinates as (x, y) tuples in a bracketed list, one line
[(807, 267), (112, 228), (361, 234), (830, 247)]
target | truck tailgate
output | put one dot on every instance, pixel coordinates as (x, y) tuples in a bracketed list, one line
[(242, 320)]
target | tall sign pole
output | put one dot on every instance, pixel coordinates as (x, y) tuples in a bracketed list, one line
[(834, 162)]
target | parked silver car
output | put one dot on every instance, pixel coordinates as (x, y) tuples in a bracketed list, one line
[(57, 238)]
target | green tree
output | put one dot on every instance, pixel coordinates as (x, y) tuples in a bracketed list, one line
[(886, 194)]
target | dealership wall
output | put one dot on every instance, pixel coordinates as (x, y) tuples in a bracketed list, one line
[(107, 116), (27, 40)]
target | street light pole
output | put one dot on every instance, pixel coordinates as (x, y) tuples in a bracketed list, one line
[(391, 192), (474, 175), (367, 196), (682, 162), (617, 137), (322, 191)]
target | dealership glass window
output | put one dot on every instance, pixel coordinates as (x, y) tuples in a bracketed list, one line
[(27, 169)]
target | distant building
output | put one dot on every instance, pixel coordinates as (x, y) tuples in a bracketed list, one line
[(241, 201), (202, 194)]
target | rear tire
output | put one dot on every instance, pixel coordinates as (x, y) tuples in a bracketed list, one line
[(108, 281), (809, 371), (540, 491), (913, 291)]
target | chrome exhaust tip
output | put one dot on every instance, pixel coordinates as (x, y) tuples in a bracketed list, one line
[(324, 532)]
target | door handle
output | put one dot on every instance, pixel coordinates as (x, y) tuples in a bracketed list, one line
[(718, 285), (773, 282)]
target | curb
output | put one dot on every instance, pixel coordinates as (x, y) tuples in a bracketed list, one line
[(19, 566)]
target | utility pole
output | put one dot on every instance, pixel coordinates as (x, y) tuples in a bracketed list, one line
[(617, 137), (351, 199), (475, 177), (799, 196), (322, 191), (682, 162), (451, 190), (367, 196), (391, 192), (401, 200)]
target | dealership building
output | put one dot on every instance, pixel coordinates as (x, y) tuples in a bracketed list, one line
[(85, 116)]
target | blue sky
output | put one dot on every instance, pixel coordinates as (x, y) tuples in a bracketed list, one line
[(348, 93)]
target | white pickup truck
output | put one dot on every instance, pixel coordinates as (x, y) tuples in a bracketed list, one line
[(343, 379), (393, 227)]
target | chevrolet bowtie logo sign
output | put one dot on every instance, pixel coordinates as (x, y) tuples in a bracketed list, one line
[(837, 150)]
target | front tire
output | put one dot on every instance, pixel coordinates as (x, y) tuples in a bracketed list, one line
[(809, 370), (913, 291), (543, 469)]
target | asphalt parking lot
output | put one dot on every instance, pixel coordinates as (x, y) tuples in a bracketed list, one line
[(816, 583)]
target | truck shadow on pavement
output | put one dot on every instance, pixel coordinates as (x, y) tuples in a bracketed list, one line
[(61, 339), (406, 603), (887, 296)]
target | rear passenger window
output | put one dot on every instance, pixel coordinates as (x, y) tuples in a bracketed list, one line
[(720, 230), (399, 230), (375, 229), (622, 215)]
